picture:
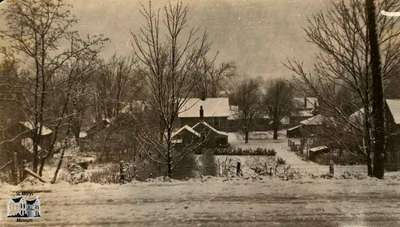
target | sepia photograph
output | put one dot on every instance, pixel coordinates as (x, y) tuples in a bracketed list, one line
[(200, 113)]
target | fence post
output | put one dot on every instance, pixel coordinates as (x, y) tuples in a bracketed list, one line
[(331, 168)]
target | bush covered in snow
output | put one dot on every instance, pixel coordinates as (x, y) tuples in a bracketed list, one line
[(245, 151)]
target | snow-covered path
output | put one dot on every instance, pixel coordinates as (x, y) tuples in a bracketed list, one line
[(282, 149)]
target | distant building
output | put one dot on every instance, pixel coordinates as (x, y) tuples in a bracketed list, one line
[(312, 136), (392, 115), (392, 128), (211, 136), (304, 108), (186, 135), (214, 111), (201, 132)]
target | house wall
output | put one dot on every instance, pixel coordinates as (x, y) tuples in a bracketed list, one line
[(187, 138), (210, 138), (392, 156)]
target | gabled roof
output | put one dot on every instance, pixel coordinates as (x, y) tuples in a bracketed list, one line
[(187, 128), (210, 127), (213, 107), (394, 108)]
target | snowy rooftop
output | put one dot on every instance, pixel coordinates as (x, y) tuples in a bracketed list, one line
[(29, 125), (293, 128), (188, 128), (316, 120), (209, 126), (303, 113), (357, 117), (213, 107), (320, 148), (82, 134), (394, 108)]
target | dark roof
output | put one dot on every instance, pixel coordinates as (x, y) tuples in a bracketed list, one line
[(16, 200), (30, 202)]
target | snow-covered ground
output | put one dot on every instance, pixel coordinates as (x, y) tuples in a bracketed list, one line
[(281, 147), (223, 201), (218, 201)]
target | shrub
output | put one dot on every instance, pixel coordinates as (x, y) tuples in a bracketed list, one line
[(271, 152), (185, 168), (108, 175), (280, 161), (209, 166), (248, 151)]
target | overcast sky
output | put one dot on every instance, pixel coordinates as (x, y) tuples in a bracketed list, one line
[(256, 34)]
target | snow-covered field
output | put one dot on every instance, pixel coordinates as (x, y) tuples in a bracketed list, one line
[(218, 201), (214, 201)]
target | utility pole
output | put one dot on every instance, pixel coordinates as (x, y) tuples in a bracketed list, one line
[(377, 92)]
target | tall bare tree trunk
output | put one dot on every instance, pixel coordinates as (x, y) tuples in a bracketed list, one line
[(169, 158), (59, 164), (377, 92), (36, 118), (367, 143), (246, 135)]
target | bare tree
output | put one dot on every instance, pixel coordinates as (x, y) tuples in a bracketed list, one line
[(117, 84), (169, 64), (212, 78), (247, 96), (344, 60), (278, 101), (36, 30), (66, 88)]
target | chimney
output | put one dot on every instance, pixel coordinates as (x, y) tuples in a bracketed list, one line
[(305, 101), (201, 113)]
